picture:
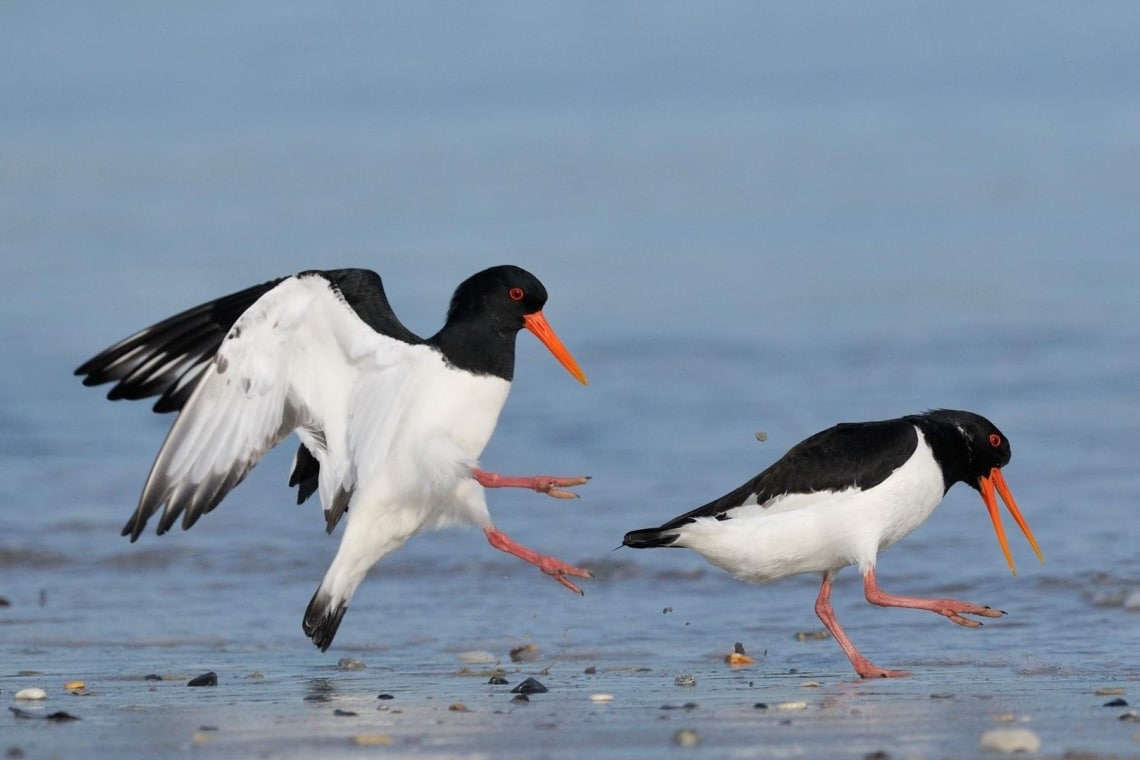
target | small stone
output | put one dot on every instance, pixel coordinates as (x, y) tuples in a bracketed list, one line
[(60, 717), (255, 676), (372, 740), (686, 737), (879, 754), (1130, 717), (209, 678), (31, 694), (74, 686), (601, 697), (529, 686), (457, 707), (810, 685), (520, 699), (792, 706), (1010, 740), (942, 695), (525, 653), (759, 706), (685, 679), (1118, 702), (591, 670), (349, 663), (4, 602), (384, 696), (1005, 718), (498, 681), (152, 677), (344, 713), (1110, 691)]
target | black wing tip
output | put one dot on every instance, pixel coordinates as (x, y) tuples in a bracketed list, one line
[(322, 619), (648, 538)]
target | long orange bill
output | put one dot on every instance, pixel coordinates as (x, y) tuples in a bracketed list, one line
[(542, 330), (986, 485)]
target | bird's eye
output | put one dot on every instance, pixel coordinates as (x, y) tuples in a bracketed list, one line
[(516, 294), (995, 440)]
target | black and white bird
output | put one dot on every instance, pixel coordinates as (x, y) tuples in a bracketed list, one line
[(840, 497), (391, 425)]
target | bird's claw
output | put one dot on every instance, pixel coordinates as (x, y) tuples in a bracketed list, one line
[(553, 486), (955, 614), (558, 570)]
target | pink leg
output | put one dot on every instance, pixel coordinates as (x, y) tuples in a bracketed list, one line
[(951, 608), (547, 484), (864, 667), (549, 565)]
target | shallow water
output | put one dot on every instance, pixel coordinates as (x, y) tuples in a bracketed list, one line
[(737, 237)]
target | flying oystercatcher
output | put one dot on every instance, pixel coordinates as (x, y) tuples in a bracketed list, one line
[(841, 496), (391, 425)]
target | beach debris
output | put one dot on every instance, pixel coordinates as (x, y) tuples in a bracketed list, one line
[(75, 687), (810, 685), (1118, 702), (601, 697), (1009, 740), (59, 716), (524, 653), (820, 635), (686, 737), (199, 738), (478, 657), (457, 707), (759, 706), (797, 705), (344, 713), (1110, 691), (497, 681), (737, 658), (686, 706), (1130, 716), (349, 663), (590, 670), (942, 695), (31, 694), (685, 679), (372, 740), (666, 610), (153, 677), (255, 676), (530, 686), (209, 678), (384, 696)]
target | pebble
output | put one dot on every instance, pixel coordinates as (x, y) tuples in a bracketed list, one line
[(759, 706), (74, 686), (1118, 702), (457, 707), (384, 696), (33, 693), (350, 663), (810, 685), (498, 681), (1130, 717), (209, 678), (530, 686), (685, 679), (525, 653), (1010, 740), (372, 740), (792, 706), (344, 713), (520, 698), (601, 697), (686, 737)]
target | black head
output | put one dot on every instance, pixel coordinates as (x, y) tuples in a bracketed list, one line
[(971, 449), (486, 313), (501, 296)]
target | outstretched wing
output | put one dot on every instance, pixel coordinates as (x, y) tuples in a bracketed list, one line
[(290, 362), (844, 456)]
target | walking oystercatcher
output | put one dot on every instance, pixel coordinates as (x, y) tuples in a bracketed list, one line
[(391, 425), (840, 497)]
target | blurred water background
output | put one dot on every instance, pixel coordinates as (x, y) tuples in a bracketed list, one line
[(750, 217)]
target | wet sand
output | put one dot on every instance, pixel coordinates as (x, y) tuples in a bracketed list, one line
[(443, 706)]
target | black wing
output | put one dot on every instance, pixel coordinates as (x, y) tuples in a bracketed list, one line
[(851, 454)]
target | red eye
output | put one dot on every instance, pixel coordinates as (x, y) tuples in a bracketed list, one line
[(516, 294), (995, 440)]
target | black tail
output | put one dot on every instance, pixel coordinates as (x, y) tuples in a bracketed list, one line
[(322, 619), (649, 538)]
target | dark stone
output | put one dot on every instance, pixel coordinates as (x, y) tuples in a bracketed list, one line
[(1118, 702), (521, 698), (385, 696), (759, 706), (498, 681), (529, 686), (344, 713), (152, 677), (209, 678)]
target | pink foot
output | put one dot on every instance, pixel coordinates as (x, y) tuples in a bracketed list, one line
[(949, 608), (550, 485), (555, 568)]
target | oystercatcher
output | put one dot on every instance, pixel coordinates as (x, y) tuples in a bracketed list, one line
[(840, 497), (391, 425)]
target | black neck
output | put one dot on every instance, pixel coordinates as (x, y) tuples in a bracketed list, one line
[(949, 449), (477, 348)]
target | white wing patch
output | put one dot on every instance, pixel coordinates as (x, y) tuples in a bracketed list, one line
[(290, 362)]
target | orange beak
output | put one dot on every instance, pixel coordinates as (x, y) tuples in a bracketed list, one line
[(986, 485), (542, 330)]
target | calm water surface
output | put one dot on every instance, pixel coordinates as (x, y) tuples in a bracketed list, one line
[(748, 221)]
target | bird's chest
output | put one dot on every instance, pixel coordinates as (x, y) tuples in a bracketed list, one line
[(459, 405), (907, 498)]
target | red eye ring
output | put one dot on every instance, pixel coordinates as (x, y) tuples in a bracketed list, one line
[(995, 440), (516, 294)]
